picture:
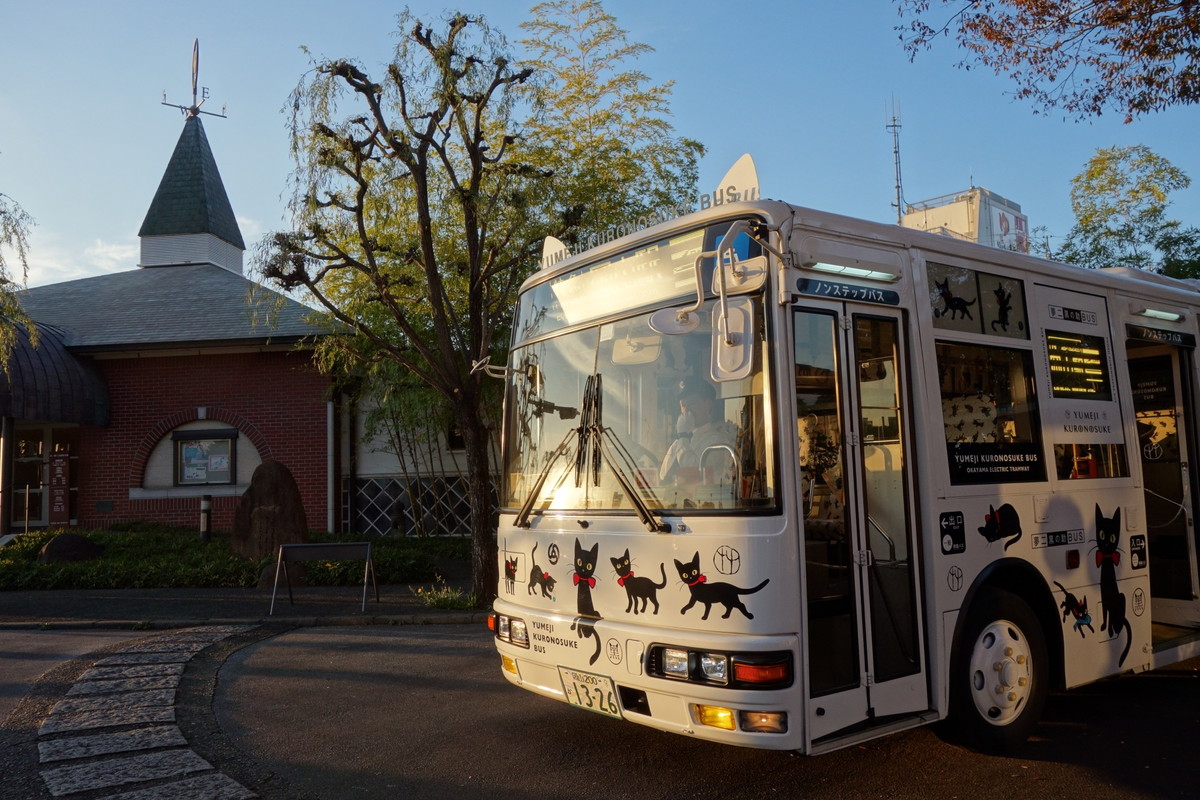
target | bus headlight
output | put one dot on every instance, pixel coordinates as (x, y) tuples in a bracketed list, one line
[(512, 630), (675, 663), (771, 670), (519, 633), (715, 667)]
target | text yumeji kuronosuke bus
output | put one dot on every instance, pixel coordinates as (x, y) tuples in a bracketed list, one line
[(857, 479)]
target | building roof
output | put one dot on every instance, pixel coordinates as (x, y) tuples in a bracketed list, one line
[(191, 197), (47, 383), (190, 306)]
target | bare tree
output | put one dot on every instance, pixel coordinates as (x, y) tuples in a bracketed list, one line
[(410, 223), (1083, 56)]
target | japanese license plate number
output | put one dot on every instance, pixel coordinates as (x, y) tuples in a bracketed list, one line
[(587, 690)]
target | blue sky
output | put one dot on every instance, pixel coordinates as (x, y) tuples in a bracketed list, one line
[(805, 86)]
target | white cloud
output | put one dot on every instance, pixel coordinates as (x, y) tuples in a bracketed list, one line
[(112, 256), (52, 262), (252, 230)]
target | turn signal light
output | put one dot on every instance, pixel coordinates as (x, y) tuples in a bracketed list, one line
[(761, 673), (766, 670)]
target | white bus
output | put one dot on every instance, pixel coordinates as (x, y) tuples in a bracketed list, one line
[(858, 479)]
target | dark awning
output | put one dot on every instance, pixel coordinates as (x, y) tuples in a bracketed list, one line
[(48, 384)]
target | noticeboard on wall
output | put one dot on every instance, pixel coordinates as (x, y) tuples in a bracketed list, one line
[(203, 457)]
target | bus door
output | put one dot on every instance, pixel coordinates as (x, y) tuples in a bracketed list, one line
[(1163, 404), (863, 626)]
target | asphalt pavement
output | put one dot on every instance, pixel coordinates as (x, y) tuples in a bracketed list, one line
[(109, 693)]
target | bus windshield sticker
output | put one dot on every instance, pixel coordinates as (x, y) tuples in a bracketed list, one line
[(977, 302)]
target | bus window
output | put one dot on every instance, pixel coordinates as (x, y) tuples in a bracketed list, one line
[(989, 412), (1075, 461)]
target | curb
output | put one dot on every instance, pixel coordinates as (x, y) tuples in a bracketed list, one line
[(444, 618)]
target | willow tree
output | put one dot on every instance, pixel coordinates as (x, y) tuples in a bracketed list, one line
[(15, 223), (409, 203)]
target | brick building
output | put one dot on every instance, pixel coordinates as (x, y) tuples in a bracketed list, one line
[(154, 387)]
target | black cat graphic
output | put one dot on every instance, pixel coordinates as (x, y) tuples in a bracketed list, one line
[(538, 578), (954, 305), (1072, 606), (1112, 599), (636, 587), (1004, 305), (1002, 522), (708, 593), (510, 575), (585, 581)]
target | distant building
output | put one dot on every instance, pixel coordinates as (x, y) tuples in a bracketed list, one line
[(156, 386), (976, 215)]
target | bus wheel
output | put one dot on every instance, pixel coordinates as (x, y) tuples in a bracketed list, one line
[(1000, 673)]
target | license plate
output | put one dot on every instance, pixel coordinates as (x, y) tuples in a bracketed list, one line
[(587, 690)]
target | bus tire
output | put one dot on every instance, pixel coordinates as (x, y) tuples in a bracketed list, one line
[(1000, 673)]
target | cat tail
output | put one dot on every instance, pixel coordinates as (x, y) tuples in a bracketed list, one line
[(1128, 643), (1013, 541), (590, 630), (756, 588), (1061, 588), (662, 585)]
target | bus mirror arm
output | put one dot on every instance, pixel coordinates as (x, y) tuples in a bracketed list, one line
[(726, 254), (671, 321)]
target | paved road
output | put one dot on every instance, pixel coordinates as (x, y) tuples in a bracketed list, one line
[(26, 655), (423, 712), (224, 712)]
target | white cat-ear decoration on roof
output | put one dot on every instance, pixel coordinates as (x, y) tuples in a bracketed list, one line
[(739, 184), (553, 251)]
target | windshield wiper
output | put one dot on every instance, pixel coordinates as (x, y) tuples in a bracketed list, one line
[(595, 446), (593, 438), (523, 515), (632, 492)]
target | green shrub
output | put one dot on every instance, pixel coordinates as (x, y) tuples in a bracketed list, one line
[(142, 555)]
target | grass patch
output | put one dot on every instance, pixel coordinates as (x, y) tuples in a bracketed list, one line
[(152, 556), (443, 596)]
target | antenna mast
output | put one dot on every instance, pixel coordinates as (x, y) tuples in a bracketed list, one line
[(894, 126)]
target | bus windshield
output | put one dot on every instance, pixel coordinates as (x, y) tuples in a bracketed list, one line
[(600, 413)]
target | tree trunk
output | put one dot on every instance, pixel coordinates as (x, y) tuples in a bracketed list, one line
[(481, 497)]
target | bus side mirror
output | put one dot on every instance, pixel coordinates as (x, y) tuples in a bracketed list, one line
[(732, 353)]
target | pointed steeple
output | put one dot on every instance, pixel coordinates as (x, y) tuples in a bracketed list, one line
[(190, 220)]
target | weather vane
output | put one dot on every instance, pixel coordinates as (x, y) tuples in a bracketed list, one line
[(194, 109)]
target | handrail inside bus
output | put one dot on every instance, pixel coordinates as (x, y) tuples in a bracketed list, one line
[(890, 542)]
